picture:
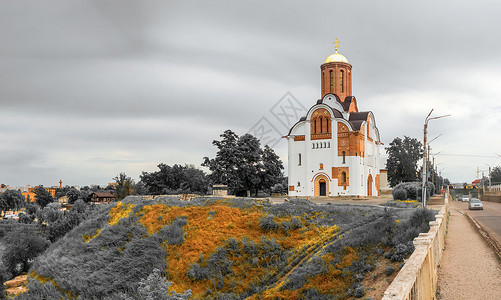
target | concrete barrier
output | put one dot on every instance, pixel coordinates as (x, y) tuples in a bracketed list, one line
[(419, 276)]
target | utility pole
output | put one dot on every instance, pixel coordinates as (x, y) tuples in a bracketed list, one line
[(425, 154)]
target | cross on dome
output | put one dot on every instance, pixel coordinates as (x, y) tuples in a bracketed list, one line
[(336, 42)]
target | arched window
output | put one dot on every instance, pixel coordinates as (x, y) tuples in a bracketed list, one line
[(315, 126), (328, 125), (332, 81), (344, 157), (299, 158), (321, 123), (298, 183), (341, 81), (343, 177), (321, 166), (328, 144)]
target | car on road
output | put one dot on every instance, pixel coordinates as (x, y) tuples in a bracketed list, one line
[(465, 198), (475, 204)]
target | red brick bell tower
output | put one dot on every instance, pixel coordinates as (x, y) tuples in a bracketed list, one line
[(336, 75)]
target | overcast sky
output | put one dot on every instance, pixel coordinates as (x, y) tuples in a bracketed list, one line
[(89, 89)]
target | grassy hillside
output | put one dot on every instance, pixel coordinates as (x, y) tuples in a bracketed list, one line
[(225, 249)]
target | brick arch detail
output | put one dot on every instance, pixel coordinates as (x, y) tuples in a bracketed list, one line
[(317, 178)]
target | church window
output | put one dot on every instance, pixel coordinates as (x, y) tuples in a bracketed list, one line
[(328, 144), (331, 81), (343, 177), (299, 157), (315, 126), (321, 123), (341, 81), (344, 157), (321, 166), (298, 184), (327, 125)]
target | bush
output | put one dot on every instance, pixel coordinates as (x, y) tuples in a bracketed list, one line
[(389, 270), (400, 194), (401, 251), (410, 187), (25, 219), (156, 287), (359, 291), (22, 246), (268, 224)]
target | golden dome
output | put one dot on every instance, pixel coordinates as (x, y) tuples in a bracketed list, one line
[(336, 57)]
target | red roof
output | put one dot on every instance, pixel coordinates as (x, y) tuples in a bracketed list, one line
[(476, 181)]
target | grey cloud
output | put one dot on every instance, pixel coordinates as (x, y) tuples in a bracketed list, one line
[(94, 78)]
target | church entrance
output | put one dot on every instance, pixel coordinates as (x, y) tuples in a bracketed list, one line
[(369, 185), (323, 187)]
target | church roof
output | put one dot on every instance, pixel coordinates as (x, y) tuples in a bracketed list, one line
[(347, 102), (336, 57), (359, 116), (356, 124)]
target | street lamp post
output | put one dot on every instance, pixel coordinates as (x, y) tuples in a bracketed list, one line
[(425, 154)]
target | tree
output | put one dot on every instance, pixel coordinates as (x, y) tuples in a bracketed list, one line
[(250, 166), (22, 245), (42, 196), (496, 175), (241, 164), (11, 199), (271, 174), (73, 195), (175, 180), (403, 156), (124, 186), (224, 166)]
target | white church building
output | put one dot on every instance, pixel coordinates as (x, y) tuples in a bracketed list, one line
[(335, 149)]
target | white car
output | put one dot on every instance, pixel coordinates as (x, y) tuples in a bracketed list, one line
[(475, 204), (465, 199)]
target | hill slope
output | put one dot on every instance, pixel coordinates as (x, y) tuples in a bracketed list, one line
[(224, 248)]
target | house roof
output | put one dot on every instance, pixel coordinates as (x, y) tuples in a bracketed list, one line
[(104, 194)]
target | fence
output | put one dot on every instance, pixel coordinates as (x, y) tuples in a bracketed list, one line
[(419, 276)]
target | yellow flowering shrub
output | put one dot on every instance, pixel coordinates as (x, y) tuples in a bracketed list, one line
[(118, 212)]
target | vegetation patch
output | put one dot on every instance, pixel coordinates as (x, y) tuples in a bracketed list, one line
[(118, 212), (225, 249)]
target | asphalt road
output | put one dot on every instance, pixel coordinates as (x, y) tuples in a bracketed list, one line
[(489, 218)]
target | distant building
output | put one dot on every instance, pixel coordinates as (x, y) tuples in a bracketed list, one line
[(102, 197), (31, 196)]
